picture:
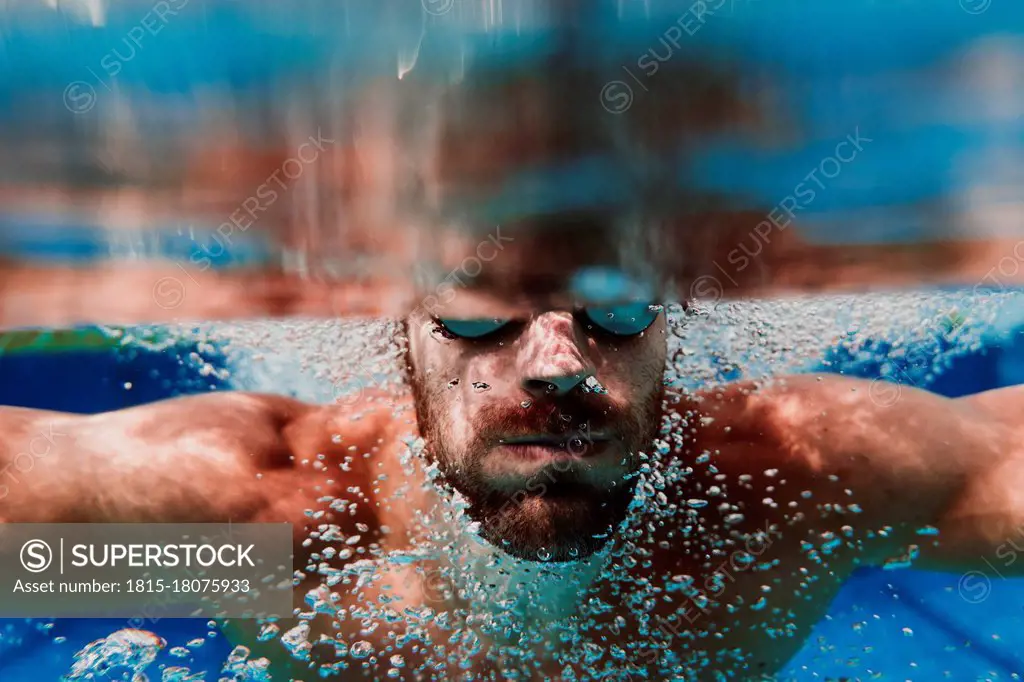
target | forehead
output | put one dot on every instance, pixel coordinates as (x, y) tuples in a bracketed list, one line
[(508, 272), (482, 297)]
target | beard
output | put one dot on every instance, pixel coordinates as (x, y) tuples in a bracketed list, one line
[(558, 513)]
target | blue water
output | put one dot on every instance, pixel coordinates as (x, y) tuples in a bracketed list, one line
[(981, 640), (896, 71), (884, 67)]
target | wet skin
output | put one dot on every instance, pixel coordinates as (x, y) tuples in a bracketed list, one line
[(780, 465)]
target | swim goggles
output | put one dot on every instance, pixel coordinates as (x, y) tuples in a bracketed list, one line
[(621, 320)]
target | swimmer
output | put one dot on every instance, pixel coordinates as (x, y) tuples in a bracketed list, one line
[(670, 532)]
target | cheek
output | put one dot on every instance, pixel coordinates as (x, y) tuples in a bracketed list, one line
[(450, 415), (647, 369), (480, 384), (484, 376), (447, 376), (631, 373)]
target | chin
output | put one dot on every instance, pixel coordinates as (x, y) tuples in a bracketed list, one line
[(557, 525)]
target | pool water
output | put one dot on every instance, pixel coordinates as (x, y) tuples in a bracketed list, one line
[(934, 84), (903, 624)]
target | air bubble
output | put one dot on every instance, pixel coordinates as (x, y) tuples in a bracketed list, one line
[(361, 649)]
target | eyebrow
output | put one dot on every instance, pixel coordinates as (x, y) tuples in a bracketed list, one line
[(520, 284), (535, 284)]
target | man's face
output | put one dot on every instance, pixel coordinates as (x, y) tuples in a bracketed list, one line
[(538, 421)]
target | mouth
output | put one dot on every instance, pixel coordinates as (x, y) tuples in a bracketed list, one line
[(574, 445), (550, 461)]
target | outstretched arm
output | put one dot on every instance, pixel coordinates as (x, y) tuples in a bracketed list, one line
[(987, 512), (207, 458), (898, 465), (210, 458)]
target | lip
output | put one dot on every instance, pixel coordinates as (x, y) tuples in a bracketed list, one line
[(510, 466), (562, 446), (554, 438)]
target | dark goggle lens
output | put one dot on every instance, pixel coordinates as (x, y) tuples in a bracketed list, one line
[(472, 329), (627, 319)]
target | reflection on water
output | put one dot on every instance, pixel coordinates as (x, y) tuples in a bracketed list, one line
[(767, 145)]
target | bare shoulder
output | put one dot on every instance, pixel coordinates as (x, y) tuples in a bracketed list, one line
[(874, 438), (905, 457), (821, 401), (829, 424), (758, 410), (247, 415), (220, 407)]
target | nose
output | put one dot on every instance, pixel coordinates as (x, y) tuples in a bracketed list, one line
[(552, 358)]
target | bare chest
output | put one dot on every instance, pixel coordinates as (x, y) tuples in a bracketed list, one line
[(692, 619)]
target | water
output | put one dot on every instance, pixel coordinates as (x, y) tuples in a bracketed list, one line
[(659, 148), (852, 335), (115, 149)]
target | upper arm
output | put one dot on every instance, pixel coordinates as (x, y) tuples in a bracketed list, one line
[(186, 459), (877, 469), (212, 457), (32, 463), (913, 461), (989, 508), (1005, 405)]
